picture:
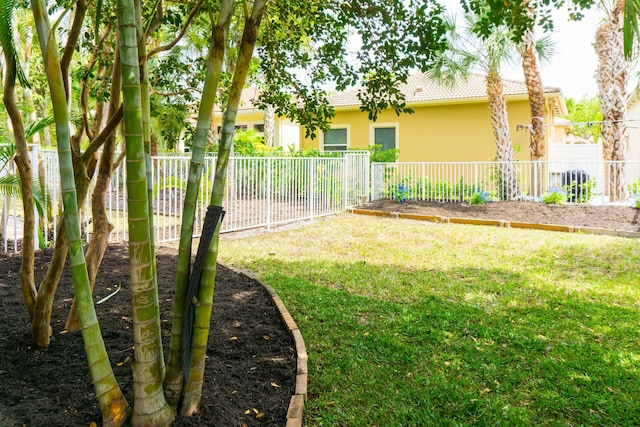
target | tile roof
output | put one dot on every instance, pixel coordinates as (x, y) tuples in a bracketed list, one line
[(421, 89)]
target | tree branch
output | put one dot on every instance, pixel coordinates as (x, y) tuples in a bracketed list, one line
[(180, 35)]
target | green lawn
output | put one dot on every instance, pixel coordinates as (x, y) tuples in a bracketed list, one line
[(415, 324)]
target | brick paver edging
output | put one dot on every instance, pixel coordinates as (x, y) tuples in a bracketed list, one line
[(498, 223), (296, 405)]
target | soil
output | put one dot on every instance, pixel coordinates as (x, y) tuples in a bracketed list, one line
[(251, 357), (250, 368), (623, 218)]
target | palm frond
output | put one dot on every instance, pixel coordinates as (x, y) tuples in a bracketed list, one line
[(7, 151), (631, 29), (10, 185), (7, 39), (34, 127), (545, 48)]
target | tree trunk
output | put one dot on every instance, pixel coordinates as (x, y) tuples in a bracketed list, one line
[(506, 174), (175, 367), (533, 82), (113, 405), (612, 77), (27, 279), (202, 310), (150, 406), (101, 226)]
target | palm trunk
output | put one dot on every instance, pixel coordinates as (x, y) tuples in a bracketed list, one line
[(145, 102), (533, 82), (507, 177), (150, 406), (101, 225), (612, 77), (113, 405), (193, 386), (174, 379)]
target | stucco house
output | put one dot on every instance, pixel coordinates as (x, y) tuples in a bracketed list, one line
[(448, 123)]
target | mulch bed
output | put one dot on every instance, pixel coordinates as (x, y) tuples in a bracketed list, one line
[(251, 355), (623, 218)]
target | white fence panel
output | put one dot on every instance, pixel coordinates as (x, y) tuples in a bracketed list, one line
[(261, 192)]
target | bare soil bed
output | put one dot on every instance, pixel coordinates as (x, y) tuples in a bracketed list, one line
[(623, 218), (251, 355)]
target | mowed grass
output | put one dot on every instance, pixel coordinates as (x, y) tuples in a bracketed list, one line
[(415, 324)]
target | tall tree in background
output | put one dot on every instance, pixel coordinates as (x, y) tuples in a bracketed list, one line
[(468, 52), (585, 115), (612, 77), (532, 79), (534, 88)]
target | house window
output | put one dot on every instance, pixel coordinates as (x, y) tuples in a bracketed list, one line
[(259, 127), (335, 139), (386, 136)]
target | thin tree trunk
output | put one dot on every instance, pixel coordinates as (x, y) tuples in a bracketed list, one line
[(533, 82), (101, 226), (27, 279), (174, 378), (113, 405), (150, 406), (193, 386)]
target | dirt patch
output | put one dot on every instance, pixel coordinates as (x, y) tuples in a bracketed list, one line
[(254, 370), (623, 218)]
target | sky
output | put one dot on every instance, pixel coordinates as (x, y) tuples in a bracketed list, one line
[(574, 64)]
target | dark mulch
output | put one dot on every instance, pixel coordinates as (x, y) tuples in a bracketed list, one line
[(52, 387), (623, 218)]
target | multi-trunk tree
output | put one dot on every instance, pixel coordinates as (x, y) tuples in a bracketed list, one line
[(396, 38)]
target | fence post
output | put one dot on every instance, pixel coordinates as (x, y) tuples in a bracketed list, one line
[(345, 178), (34, 154), (269, 187)]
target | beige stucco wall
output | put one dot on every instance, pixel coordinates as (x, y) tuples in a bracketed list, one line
[(438, 133)]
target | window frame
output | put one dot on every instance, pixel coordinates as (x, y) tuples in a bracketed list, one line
[(345, 127), (385, 125)]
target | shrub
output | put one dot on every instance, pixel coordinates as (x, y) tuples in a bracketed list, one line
[(378, 155), (555, 196), (634, 189), (480, 197), (403, 193), (580, 192)]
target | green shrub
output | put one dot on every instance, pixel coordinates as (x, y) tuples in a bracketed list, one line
[(480, 198), (555, 196), (581, 193), (634, 189), (378, 155)]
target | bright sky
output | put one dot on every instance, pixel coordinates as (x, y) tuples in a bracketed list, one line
[(573, 66)]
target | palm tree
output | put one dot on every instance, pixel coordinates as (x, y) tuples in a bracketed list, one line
[(202, 280), (466, 52), (150, 406), (113, 405), (175, 367), (535, 91), (612, 77)]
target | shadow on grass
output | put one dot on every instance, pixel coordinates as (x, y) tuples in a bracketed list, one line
[(466, 346)]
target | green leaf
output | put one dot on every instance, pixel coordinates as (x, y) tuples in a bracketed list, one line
[(7, 40)]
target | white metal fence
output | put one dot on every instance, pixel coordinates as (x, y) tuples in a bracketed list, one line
[(261, 192), (268, 191), (595, 182)]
